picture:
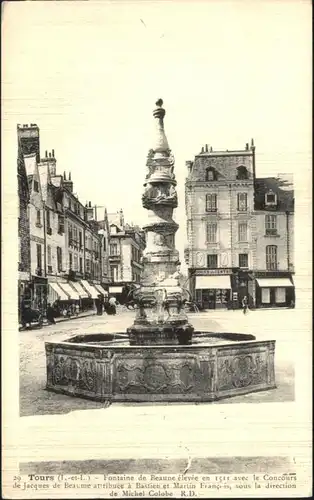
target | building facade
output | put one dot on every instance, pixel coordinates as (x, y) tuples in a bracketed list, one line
[(24, 263), (65, 249), (226, 243), (126, 246)]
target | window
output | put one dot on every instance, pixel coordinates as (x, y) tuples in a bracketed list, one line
[(81, 265), (114, 273), (242, 202), (104, 244), (36, 186), (280, 295), (212, 261), (75, 262), (48, 255), (243, 260), (211, 174), (87, 265), (270, 225), (38, 218), (80, 239), (242, 229), (211, 203), (70, 260), (242, 173), (113, 249), (48, 219), (211, 233), (265, 296), (70, 234), (270, 198), (75, 234), (59, 259), (38, 249), (271, 257), (60, 224)]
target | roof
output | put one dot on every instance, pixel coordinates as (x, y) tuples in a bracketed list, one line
[(285, 196)]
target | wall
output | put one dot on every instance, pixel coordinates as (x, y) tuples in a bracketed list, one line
[(280, 240), (23, 223)]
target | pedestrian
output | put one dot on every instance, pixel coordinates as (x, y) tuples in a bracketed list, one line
[(244, 304), (50, 315), (112, 305), (77, 309)]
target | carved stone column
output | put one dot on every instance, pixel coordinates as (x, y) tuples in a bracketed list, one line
[(161, 318)]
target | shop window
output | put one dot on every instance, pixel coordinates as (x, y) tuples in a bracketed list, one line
[(242, 173), (211, 233), (243, 260), (265, 295), (242, 202), (212, 261), (211, 202), (280, 294), (211, 174), (271, 257), (242, 230), (270, 225)]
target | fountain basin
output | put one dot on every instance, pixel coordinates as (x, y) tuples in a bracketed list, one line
[(105, 367)]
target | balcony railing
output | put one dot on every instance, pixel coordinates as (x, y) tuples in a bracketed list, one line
[(271, 232)]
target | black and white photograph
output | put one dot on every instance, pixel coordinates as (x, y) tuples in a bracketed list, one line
[(156, 249)]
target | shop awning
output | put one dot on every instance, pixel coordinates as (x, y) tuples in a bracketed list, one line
[(80, 290), (212, 282), (274, 282), (91, 290), (115, 289), (101, 289), (58, 291), (70, 291)]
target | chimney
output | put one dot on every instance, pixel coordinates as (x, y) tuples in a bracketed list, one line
[(46, 154), (211, 149), (64, 176), (202, 151), (252, 144), (49, 155), (206, 148), (53, 153), (121, 218), (247, 146), (69, 176), (189, 165)]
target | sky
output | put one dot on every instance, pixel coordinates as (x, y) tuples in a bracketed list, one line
[(89, 76)]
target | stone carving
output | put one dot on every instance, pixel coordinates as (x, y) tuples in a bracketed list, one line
[(159, 195), (155, 377), (68, 370), (242, 371)]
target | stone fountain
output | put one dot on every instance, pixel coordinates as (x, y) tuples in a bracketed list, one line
[(160, 358)]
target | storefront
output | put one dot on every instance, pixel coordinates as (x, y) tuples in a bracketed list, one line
[(40, 292), (213, 289), (275, 292)]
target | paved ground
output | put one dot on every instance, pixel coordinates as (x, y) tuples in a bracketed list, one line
[(281, 325)]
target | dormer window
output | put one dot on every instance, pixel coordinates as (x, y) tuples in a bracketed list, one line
[(242, 173), (270, 199), (211, 174)]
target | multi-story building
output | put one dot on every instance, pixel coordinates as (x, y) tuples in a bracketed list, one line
[(24, 264), (127, 243), (28, 139), (274, 212), (223, 229), (65, 247)]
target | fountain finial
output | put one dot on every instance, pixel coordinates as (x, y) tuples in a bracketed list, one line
[(159, 103)]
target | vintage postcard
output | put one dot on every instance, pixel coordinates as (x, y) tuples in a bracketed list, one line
[(157, 277)]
